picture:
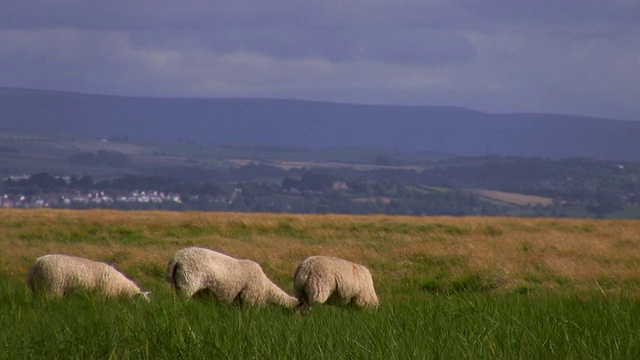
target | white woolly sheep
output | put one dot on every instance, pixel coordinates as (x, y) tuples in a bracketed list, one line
[(58, 274), (232, 280), (320, 279)]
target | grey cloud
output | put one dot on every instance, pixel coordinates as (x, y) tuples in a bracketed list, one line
[(497, 55), (416, 47), (400, 46), (205, 15), (336, 30), (584, 14)]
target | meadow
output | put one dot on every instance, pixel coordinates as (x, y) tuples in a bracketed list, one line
[(449, 287)]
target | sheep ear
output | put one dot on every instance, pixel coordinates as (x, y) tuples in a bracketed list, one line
[(146, 295)]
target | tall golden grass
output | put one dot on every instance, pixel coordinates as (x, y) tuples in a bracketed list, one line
[(403, 253)]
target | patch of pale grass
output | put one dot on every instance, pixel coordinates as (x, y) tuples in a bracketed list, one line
[(511, 198)]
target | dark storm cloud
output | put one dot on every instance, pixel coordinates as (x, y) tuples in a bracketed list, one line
[(545, 13), (495, 55), (338, 31)]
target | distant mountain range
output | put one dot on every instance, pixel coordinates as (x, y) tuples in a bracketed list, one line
[(304, 124)]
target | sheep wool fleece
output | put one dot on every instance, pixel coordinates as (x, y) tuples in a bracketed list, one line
[(193, 269), (320, 279), (57, 274)]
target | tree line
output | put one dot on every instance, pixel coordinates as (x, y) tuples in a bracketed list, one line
[(599, 187)]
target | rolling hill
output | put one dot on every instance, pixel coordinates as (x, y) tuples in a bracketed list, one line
[(313, 124)]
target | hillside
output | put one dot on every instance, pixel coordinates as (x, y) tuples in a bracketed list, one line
[(311, 124)]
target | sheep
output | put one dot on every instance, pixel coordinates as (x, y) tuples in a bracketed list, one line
[(232, 280), (320, 279), (57, 274)]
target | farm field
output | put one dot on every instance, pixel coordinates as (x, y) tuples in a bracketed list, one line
[(449, 287), (510, 198), (23, 153)]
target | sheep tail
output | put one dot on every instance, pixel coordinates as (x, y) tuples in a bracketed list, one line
[(31, 278), (170, 273)]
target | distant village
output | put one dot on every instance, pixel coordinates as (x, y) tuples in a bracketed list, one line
[(94, 199), (61, 197), (98, 198)]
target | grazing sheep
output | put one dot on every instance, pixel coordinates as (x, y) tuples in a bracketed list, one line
[(232, 280), (57, 274), (320, 279)]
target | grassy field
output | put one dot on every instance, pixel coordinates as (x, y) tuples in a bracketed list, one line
[(511, 198), (449, 287)]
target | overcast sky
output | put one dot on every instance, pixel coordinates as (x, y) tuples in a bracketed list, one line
[(551, 56)]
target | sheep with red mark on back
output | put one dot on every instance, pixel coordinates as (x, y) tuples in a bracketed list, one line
[(326, 279)]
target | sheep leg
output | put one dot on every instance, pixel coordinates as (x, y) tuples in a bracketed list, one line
[(358, 302), (184, 287), (247, 296), (227, 296)]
